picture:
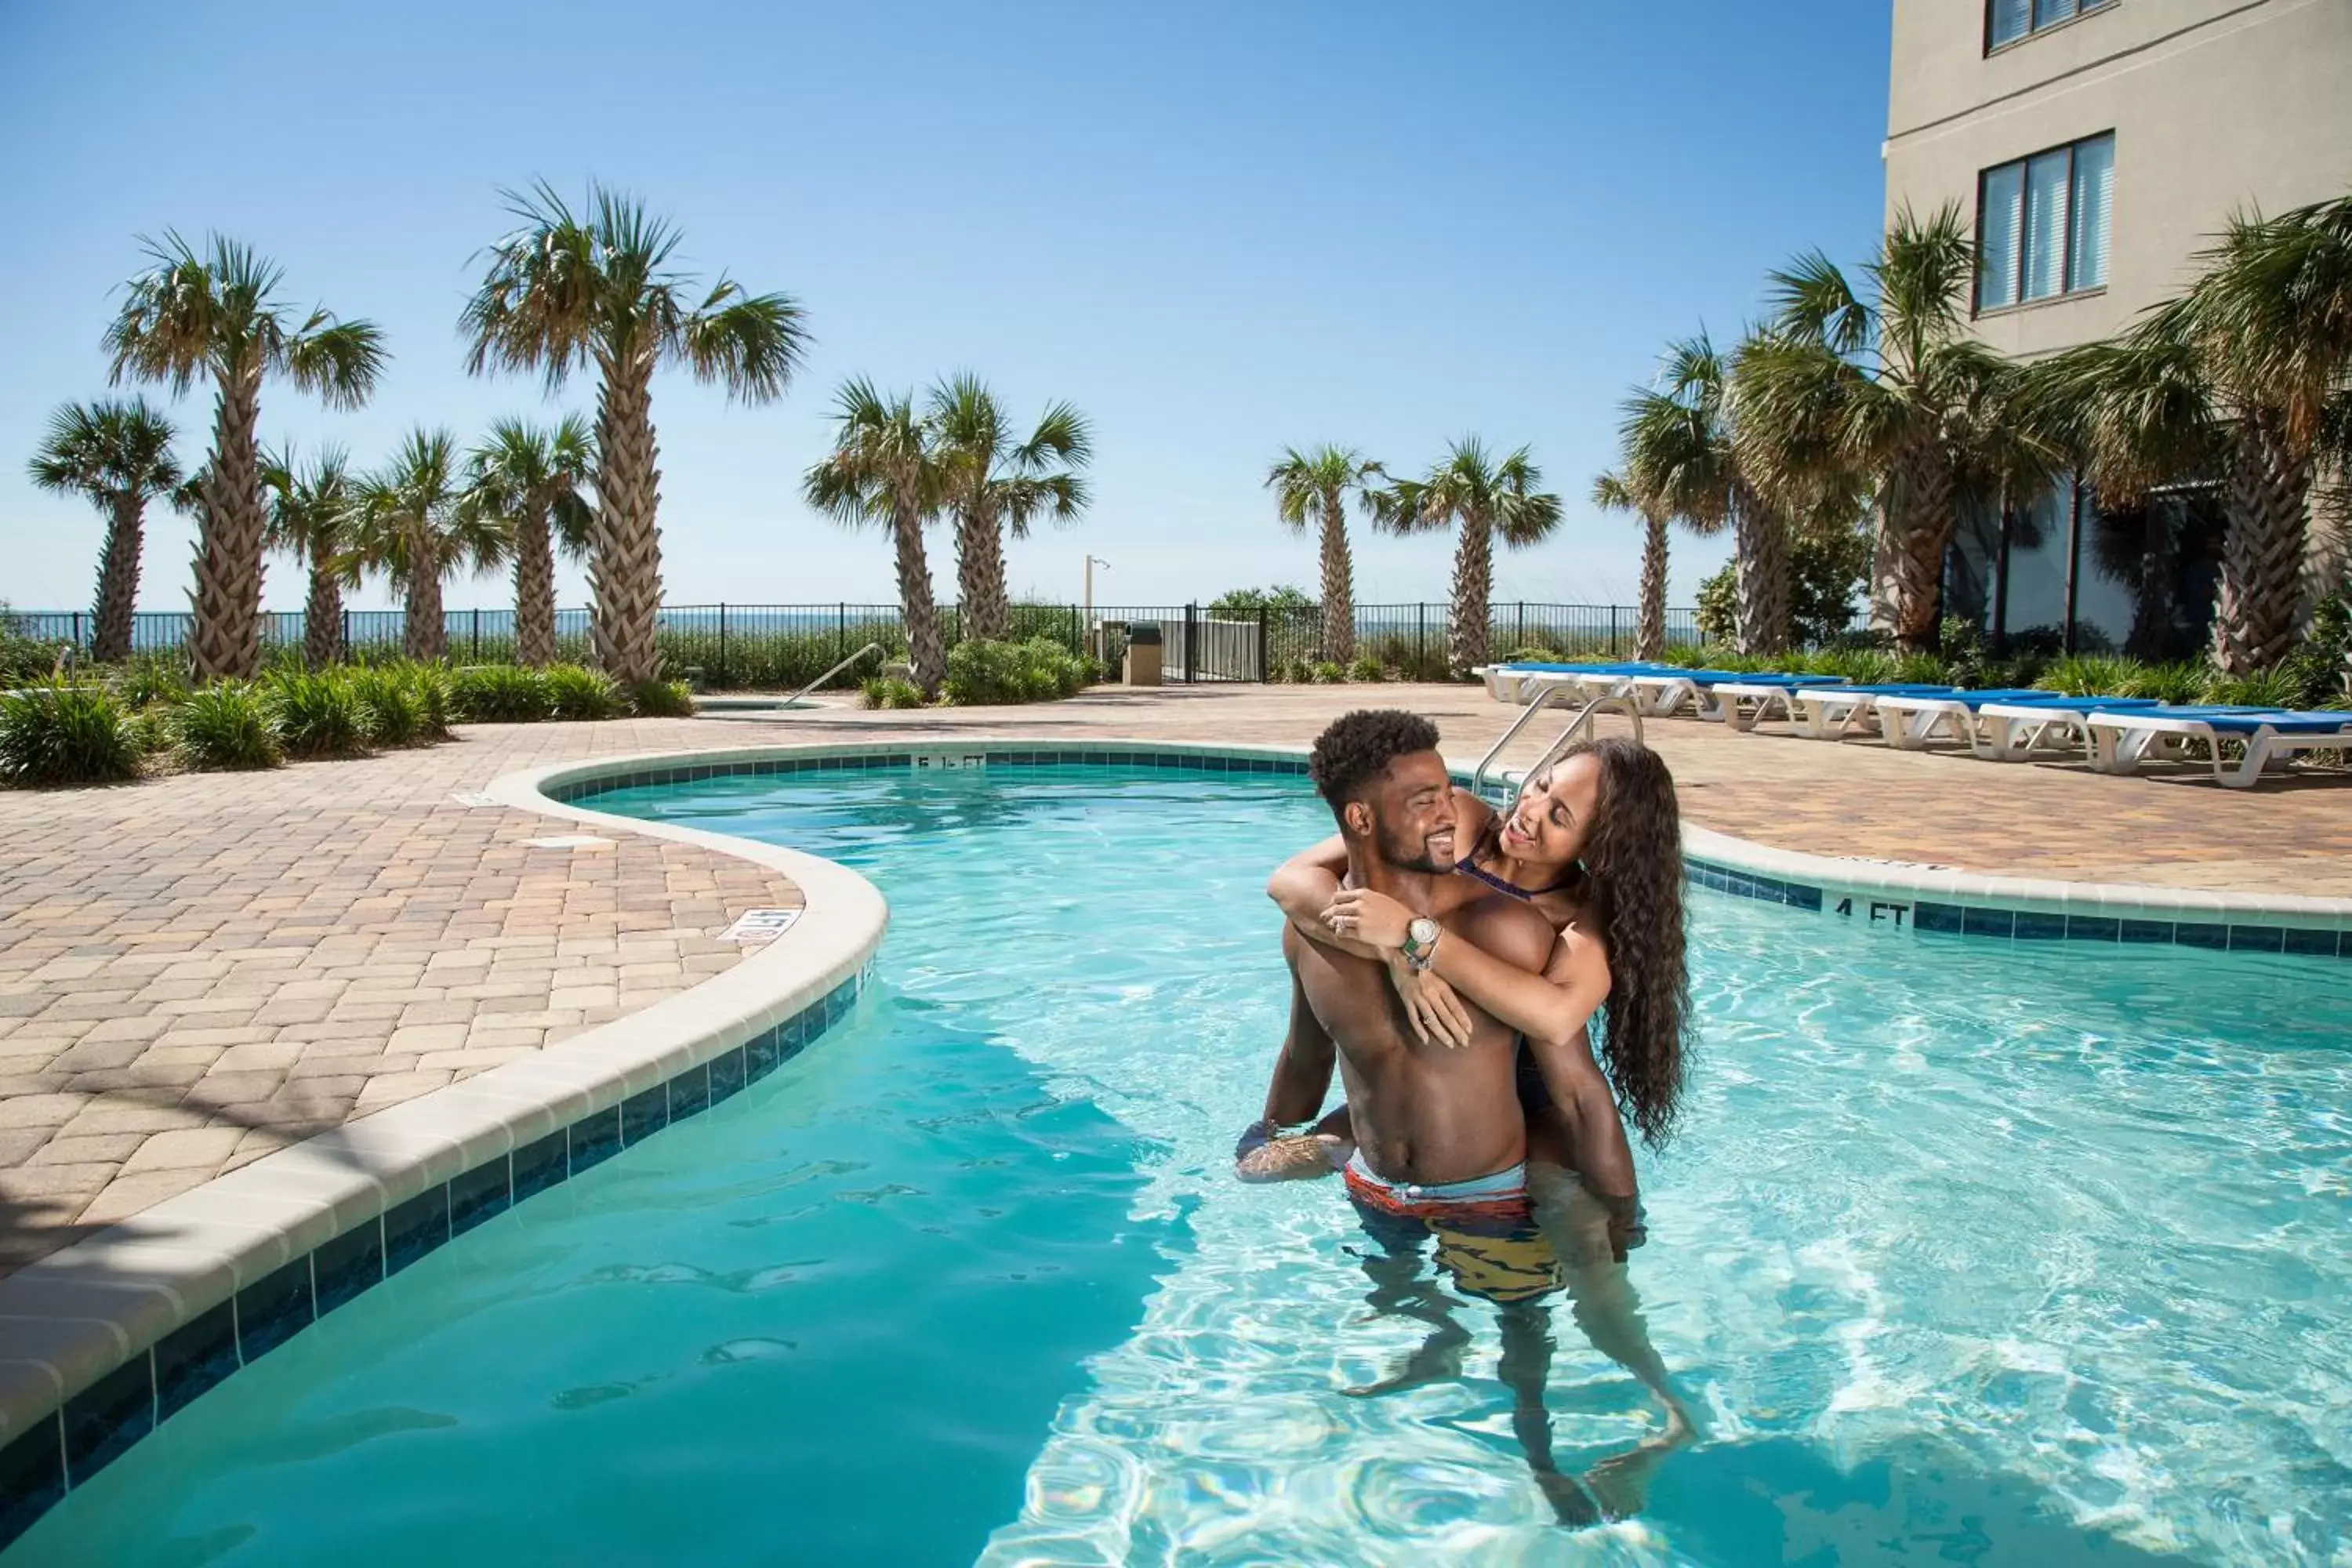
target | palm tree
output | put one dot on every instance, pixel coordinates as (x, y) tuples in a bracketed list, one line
[(119, 455), (218, 312), (1610, 493), (1887, 387), (1313, 487), (567, 292), (884, 470), (533, 481), (1487, 499), (313, 517), (2242, 379), (415, 525), (1680, 455), (995, 487)]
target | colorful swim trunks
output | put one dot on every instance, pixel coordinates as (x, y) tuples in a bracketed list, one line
[(1485, 1227)]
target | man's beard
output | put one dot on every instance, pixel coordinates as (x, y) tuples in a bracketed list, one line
[(1405, 856)]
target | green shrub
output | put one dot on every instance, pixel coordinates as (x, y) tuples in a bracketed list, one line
[(1327, 673), (1367, 669), (1534, 653), (395, 715), (2097, 676), (2321, 667), (1922, 669), (151, 727), (2270, 689), (755, 655), (24, 660), (66, 734), (2183, 682), (889, 691), (497, 694), (223, 728), (983, 673), (317, 715), (575, 691), (149, 677), (661, 700), (428, 684)]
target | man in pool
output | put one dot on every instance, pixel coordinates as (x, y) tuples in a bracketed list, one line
[(1440, 1132), (1441, 1122)]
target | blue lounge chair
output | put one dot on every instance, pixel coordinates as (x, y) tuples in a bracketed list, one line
[(1835, 713), (2123, 738)]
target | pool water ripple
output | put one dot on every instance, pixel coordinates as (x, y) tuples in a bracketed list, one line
[(1971, 1252)]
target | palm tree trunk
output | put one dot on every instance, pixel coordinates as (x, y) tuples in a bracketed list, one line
[(1474, 588), (534, 593), (1918, 524), (981, 603), (225, 639), (1339, 582), (118, 580), (2261, 553), (1760, 544), (926, 652), (1650, 630), (425, 631), (323, 617), (626, 568)]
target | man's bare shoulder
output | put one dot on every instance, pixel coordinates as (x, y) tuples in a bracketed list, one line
[(1509, 928)]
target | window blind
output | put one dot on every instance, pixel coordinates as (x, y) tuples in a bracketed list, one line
[(2094, 183), (1997, 221), (2045, 223)]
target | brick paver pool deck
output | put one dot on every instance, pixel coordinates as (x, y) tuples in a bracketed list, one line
[(198, 969)]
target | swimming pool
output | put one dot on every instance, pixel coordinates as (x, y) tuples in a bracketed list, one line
[(1973, 1252)]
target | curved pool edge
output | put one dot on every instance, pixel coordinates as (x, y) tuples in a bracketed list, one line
[(103, 1339), (107, 1338)]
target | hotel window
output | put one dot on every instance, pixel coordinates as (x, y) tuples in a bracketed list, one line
[(2042, 224), (2006, 21)]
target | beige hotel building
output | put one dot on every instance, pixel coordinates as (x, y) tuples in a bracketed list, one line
[(2095, 146)]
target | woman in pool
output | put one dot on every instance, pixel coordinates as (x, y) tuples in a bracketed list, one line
[(1594, 842)]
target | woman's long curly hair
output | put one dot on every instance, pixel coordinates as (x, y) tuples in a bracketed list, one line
[(1633, 884)]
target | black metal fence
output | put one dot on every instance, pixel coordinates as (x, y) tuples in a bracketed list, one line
[(789, 644)]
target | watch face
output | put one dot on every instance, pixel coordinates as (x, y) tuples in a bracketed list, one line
[(1424, 931)]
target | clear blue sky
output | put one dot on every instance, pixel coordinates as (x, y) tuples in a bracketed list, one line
[(1216, 228)]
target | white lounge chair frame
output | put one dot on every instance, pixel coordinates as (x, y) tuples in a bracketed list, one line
[(2014, 732), (2120, 739), (1742, 707), (1908, 723), (1835, 713)]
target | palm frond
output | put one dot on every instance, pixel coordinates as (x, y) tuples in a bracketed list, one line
[(340, 361), (1924, 273), (1811, 299), (105, 450), (752, 345), (2272, 313)]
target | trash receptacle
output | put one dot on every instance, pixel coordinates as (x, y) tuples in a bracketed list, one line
[(1143, 654)]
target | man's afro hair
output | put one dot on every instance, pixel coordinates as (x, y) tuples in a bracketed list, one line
[(1358, 747)]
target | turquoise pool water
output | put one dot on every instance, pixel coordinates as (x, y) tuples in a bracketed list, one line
[(1972, 1253)]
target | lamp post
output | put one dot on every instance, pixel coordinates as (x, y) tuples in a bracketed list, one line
[(1093, 562)]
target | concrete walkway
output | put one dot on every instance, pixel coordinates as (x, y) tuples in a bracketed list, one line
[(198, 970)]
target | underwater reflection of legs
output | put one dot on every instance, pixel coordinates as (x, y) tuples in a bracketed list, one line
[(1526, 1370), (1605, 1306), (1401, 1287)]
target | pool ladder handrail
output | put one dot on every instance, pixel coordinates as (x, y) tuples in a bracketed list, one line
[(1607, 702), (828, 675)]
